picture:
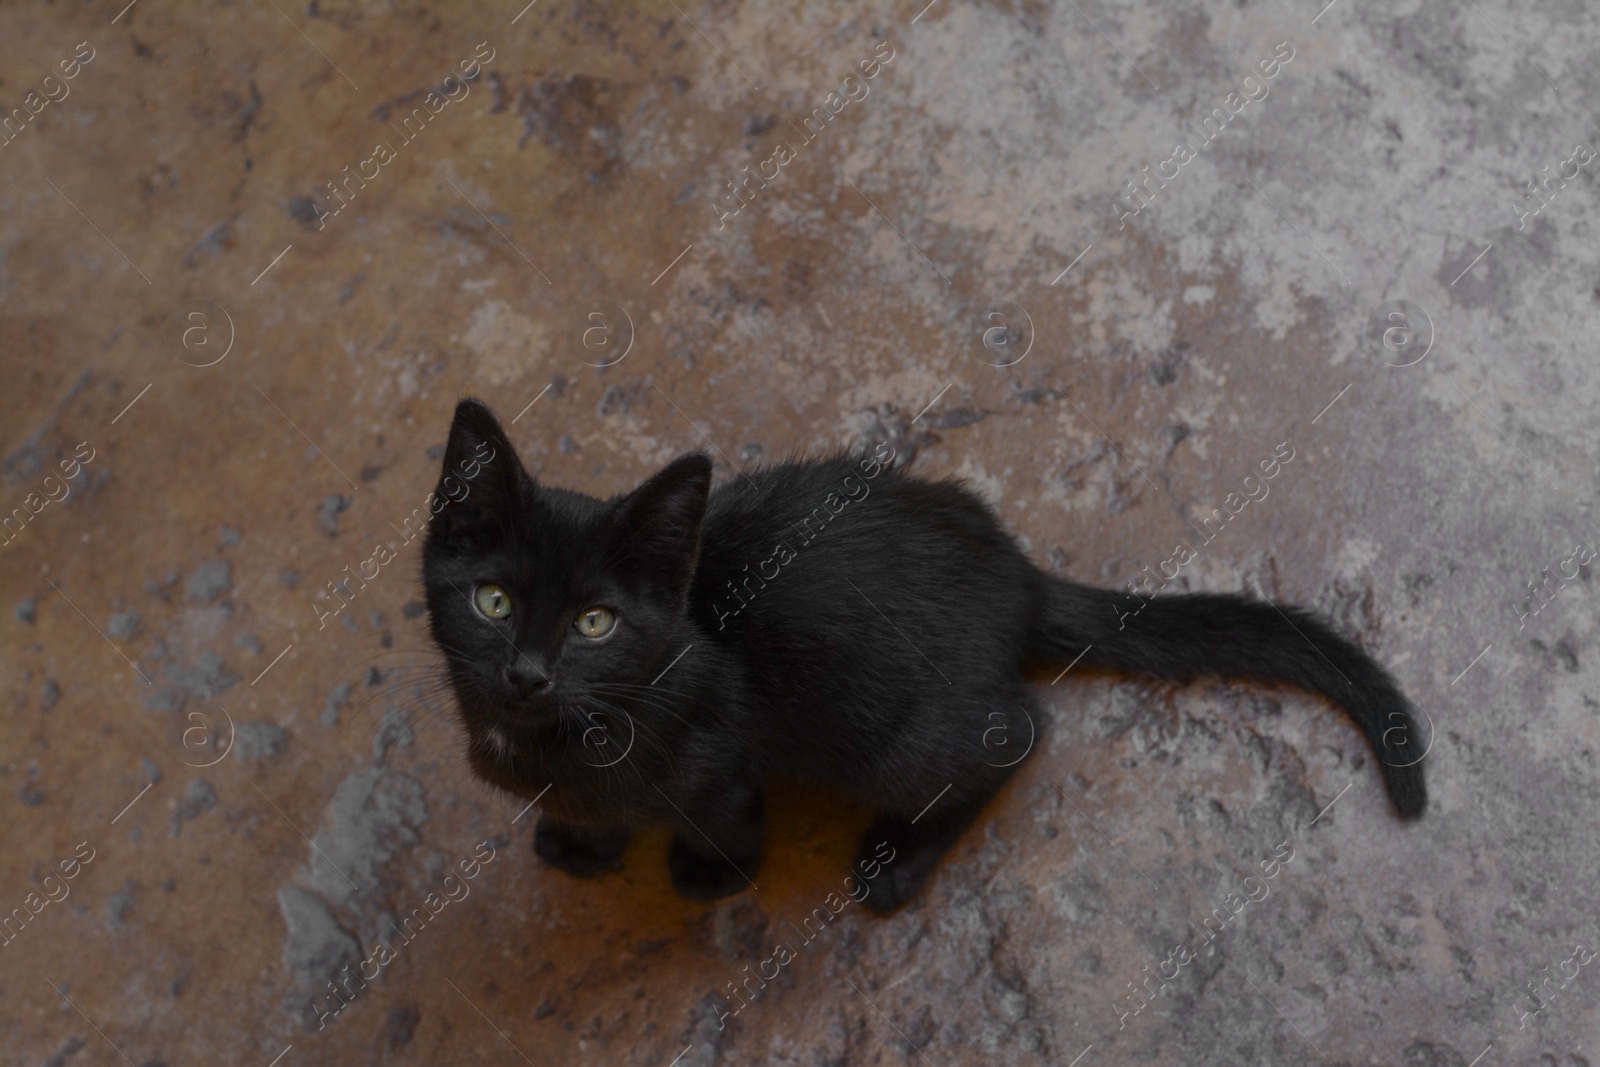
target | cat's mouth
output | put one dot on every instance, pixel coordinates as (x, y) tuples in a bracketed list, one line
[(507, 724), (525, 720)]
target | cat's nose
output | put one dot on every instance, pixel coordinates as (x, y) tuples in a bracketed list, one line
[(527, 676)]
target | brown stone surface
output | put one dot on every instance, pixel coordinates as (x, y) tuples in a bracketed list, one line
[(164, 215)]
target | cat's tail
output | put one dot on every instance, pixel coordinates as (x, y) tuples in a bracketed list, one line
[(1184, 636)]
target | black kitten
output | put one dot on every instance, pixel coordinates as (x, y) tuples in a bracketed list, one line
[(652, 658)]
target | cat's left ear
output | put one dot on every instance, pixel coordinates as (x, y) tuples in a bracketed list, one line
[(481, 474), (659, 522)]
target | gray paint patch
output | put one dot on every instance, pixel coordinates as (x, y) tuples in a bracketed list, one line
[(209, 581), (372, 812), (123, 625), (315, 946), (330, 509), (394, 729), (259, 740), (206, 679), (198, 796), (339, 697)]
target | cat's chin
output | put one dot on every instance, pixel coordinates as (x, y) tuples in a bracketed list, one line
[(494, 740), (511, 716), (507, 735), (522, 724)]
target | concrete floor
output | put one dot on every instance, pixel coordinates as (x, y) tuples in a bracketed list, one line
[(249, 385)]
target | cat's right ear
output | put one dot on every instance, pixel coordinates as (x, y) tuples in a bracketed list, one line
[(481, 473), (659, 522)]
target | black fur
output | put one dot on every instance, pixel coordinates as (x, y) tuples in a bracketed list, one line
[(843, 621)]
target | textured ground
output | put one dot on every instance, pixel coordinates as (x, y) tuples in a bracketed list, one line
[(249, 385)]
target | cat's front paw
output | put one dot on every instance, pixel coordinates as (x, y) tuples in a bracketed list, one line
[(577, 849), (892, 864), (699, 878), (891, 888)]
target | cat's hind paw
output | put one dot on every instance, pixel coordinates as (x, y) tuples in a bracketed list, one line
[(699, 878), (576, 849)]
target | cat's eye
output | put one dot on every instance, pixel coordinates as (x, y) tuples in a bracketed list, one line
[(595, 623), (492, 601)]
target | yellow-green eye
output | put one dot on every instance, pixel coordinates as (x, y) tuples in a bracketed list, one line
[(494, 602), (596, 623)]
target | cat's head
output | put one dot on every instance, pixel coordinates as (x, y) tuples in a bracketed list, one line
[(545, 601)]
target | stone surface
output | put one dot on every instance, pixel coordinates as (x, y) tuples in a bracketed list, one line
[(225, 385), (123, 625), (315, 946), (209, 581), (259, 740)]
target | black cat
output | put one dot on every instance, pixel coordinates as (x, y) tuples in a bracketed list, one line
[(652, 658)]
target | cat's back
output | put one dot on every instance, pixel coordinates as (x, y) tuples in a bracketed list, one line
[(808, 559), (862, 602), (842, 502)]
